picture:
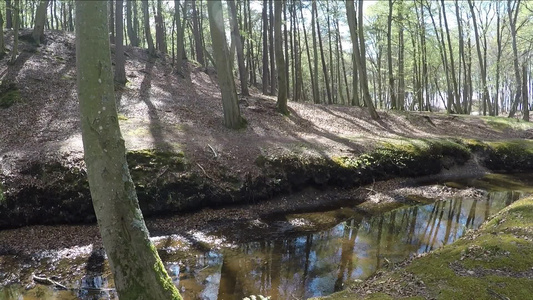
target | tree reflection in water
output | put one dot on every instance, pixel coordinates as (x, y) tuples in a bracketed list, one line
[(320, 263)]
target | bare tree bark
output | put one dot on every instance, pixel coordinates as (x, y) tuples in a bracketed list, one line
[(40, 20), (120, 60), (266, 72), (392, 92), (137, 269), (147, 31), (280, 61), (236, 35), (323, 58), (230, 105), (512, 11)]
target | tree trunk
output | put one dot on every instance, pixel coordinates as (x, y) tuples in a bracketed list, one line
[(180, 32), (160, 35), (236, 35), (499, 30), (316, 94), (266, 72), (480, 59), (322, 56), (456, 98), (2, 43), (525, 96), (308, 52), (136, 266), (401, 67), (513, 14), (196, 33), (147, 32), (40, 20), (232, 114), (120, 71), (392, 92), (14, 51), (9, 14), (273, 71), (280, 61), (132, 34), (358, 44), (111, 19), (362, 66)]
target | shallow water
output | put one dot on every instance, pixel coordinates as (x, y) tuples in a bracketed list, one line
[(302, 265)]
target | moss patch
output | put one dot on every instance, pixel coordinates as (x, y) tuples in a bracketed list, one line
[(503, 123), (9, 95), (504, 156)]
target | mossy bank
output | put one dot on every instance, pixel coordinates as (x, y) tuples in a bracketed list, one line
[(56, 191), (493, 262)]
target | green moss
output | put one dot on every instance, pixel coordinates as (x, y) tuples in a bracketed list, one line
[(165, 280), (9, 95), (503, 123), (122, 117)]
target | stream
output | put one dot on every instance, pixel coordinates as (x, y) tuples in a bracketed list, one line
[(295, 259)]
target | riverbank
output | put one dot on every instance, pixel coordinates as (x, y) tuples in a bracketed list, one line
[(494, 262), (182, 158)]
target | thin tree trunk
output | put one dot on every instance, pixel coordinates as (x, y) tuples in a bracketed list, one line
[(235, 33), (280, 61), (132, 34), (9, 14), (513, 14), (196, 32), (230, 105), (392, 92), (322, 56), (14, 51), (456, 100), (40, 20), (266, 72), (111, 19), (342, 62), (316, 94), (180, 47), (273, 71), (401, 53), (2, 43), (120, 71), (147, 32), (525, 96), (359, 53)]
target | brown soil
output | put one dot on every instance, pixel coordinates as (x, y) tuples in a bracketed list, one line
[(159, 109)]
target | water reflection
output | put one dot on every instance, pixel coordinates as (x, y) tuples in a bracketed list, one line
[(300, 267), (319, 264)]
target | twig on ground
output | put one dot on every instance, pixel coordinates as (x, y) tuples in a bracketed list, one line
[(203, 170), (48, 281), (212, 149)]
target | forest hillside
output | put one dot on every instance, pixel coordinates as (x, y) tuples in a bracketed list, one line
[(163, 114)]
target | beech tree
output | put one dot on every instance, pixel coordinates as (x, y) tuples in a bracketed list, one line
[(120, 71), (40, 19), (136, 266), (14, 51), (280, 61), (2, 46), (232, 113)]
